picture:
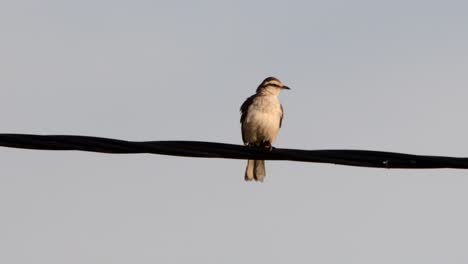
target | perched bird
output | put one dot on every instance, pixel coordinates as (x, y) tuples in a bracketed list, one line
[(261, 117)]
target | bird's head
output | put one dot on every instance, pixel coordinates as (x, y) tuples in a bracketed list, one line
[(271, 85)]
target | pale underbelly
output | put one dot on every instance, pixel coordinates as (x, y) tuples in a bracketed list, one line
[(261, 127)]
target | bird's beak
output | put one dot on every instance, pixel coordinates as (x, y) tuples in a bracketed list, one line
[(285, 87)]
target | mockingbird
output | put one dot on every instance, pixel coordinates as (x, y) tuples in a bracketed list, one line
[(261, 116)]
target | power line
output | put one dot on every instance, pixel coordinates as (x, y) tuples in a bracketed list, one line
[(362, 158)]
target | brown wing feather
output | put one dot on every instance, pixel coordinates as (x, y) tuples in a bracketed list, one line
[(244, 109), (282, 114)]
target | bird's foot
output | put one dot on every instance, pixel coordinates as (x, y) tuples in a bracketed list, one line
[(269, 146)]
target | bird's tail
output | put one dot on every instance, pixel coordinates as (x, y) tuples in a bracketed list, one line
[(249, 171), (255, 170), (259, 170)]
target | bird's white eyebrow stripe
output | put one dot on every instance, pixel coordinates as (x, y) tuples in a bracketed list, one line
[(271, 84)]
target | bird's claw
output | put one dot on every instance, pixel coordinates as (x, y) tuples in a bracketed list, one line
[(269, 147)]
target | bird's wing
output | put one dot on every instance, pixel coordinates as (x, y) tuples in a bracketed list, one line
[(282, 114), (244, 109)]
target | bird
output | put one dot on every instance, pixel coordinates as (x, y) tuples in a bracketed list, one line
[(261, 119)]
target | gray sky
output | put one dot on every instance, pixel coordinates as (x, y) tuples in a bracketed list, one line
[(380, 75)]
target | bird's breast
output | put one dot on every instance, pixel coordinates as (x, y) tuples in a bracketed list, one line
[(263, 119)]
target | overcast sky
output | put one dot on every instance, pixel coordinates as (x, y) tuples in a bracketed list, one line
[(379, 75)]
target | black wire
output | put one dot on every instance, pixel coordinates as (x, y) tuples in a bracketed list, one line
[(362, 158)]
